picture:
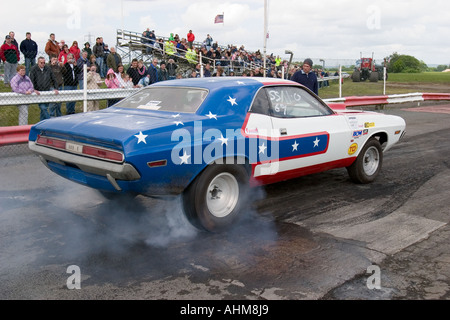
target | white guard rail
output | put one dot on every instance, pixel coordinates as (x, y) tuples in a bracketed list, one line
[(12, 98)]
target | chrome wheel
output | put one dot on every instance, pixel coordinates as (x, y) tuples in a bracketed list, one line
[(371, 161), (222, 195)]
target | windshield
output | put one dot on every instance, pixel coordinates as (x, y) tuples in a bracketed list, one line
[(173, 99)]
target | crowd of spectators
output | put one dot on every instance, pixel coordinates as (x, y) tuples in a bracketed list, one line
[(62, 69)]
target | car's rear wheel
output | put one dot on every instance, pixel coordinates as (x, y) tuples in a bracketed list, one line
[(368, 164), (215, 199)]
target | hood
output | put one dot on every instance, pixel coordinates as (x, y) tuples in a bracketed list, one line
[(111, 71)]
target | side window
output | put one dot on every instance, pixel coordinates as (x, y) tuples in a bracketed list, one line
[(294, 102), (261, 103)]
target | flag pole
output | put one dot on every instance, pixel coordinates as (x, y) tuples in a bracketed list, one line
[(265, 36)]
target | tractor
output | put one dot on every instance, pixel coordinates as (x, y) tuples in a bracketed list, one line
[(366, 69)]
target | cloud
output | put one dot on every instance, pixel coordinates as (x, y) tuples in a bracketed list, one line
[(332, 29)]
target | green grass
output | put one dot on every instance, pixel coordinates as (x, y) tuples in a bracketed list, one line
[(424, 77)]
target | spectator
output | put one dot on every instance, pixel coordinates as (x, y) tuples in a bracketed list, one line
[(80, 63), (207, 71), (257, 73), (153, 71), (52, 47), (99, 52), (93, 62), (128, 83), (182, 47), (306, 77), (75, 50), (171, 67), (106, 53), (208, 42), (120, 75), (142, 69), (219, 72), (112, 82), (55, 107), (43, 80), (93, 81), (190, 39), (193, 74), (132, 71), (87, 48), (29, 48), (145, 38), (152, 36), (163, 73), (13, 40), (62, 58), (61, 45), (10, 55), (70, 73), (21, 83), (113, 60)]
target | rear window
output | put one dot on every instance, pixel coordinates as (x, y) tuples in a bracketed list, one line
[(172, 99)]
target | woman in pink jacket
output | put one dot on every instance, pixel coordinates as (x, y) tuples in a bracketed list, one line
[(21, 83)]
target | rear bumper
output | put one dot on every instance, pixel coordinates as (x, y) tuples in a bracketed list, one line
[(109, 170)]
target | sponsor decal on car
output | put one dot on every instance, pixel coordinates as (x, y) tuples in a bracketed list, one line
[(352, 149), (369, 124)]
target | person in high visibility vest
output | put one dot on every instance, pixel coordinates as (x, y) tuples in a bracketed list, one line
[(191, 56), (170, 48)]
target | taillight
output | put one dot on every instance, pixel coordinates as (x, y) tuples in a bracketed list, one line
[(50, 142), (90, 151), (103, 153)]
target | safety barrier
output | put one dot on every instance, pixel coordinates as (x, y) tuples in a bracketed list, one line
[(14, 134), (354, 101), (19, 134)]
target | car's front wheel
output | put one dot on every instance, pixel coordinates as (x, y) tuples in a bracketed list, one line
[(368, 163), (215, 199)]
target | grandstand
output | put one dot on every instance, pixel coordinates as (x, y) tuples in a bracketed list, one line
[(132, 45)]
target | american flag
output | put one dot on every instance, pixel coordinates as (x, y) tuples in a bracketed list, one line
[(218, 18)]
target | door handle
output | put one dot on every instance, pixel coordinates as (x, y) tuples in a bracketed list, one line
[(283, 131)]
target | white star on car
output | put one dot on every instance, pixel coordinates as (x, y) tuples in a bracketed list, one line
[(316, 142), (294, 146), (262, 148), (178, 122), (232, 101), (141, 137), (175, 115), (240, 82), (185, 157), (223, 140), (211, 116)]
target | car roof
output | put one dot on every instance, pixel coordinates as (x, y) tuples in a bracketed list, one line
[(217, 82)]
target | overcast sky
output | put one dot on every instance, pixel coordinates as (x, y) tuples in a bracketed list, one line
[(328, 29)]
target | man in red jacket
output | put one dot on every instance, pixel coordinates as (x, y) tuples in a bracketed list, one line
[(10, 55), (190, 39)]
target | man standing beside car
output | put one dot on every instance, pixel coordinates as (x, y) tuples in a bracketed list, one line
[(307, 77)]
